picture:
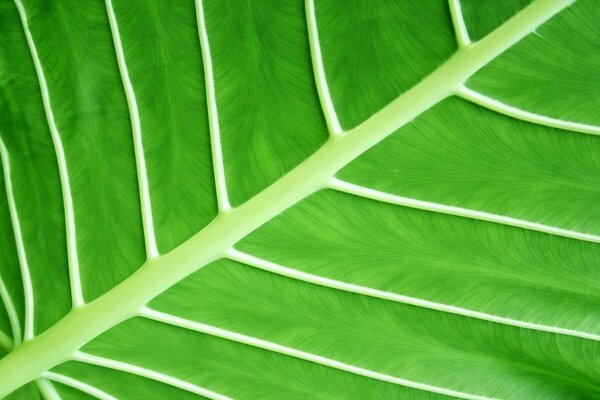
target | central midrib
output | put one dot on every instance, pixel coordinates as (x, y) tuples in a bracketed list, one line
[(81, 325)]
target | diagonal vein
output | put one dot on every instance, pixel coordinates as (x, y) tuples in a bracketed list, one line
[(47, 389), (6, 343), (13, 317), (213, 115), (362, 191), (211, 243), (14, 216), (265, 265), (76, 384), (75, 281), (460, 29), (140, 160), (333, 124), (502, 108), (266, 345), (147, 373)]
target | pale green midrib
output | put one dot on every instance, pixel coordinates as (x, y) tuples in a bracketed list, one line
[(81, 325)]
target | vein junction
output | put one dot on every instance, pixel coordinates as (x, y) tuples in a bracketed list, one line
[(160, 272)]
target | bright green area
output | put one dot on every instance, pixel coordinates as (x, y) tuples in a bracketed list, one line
[(460, 154), (75, 47), (374, 51), (237, 370), (427, 346), (35, 181), (270, 120), (269, 113), (483, 16), (553, 72), (163, 57), (505, 271), (122, 385)]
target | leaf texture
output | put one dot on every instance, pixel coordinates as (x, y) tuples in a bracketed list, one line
[(322, 199)]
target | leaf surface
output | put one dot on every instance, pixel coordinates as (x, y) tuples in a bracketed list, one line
[(321, 199)]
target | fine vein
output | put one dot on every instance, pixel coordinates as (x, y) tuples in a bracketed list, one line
[(460, 29), (362, 191), (30, 360), (495, 105), (147, 373), (274, 347), (265, 265), (47, 389), (76, 384), (333, 124), (213, 116), (140, 160), (13, 317), (14, 216), (6, 343), (73, 260)]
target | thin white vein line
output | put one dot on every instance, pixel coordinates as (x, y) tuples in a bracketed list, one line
[(11, 311), (265, 265), (27, 288), (362, 191), (213, 115), (266, 345), (147, 373), (6, 343), (47, 389), (333, 124), (76, 384), (140, 160), (494, 105), (71, 238), (460, 29), (300, 182)]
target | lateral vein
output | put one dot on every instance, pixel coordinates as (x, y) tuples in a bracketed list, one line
[(265, 265), (6, 343), (47, 389), (156, 275), (502, 108), (14, 216), (147, 373), (140, 159), (79, 385), (373, 194), (460, 29), (213, 115), (71, 237), (13, 317), (274, 347), (331, 118)]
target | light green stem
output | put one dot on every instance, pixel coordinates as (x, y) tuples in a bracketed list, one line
[(59, 343)]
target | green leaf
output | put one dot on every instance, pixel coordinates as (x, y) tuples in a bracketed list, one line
[(326, 199)]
